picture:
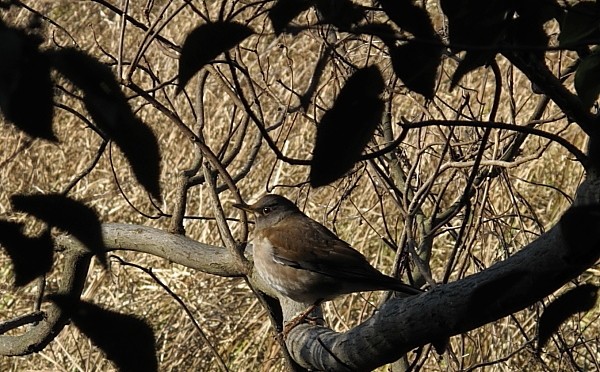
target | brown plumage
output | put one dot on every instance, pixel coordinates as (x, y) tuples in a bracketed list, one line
[(305, 261)]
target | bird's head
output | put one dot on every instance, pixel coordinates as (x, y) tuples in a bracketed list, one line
[(269, 209)]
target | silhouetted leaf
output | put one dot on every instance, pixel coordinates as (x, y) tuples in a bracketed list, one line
[(577, 300), (342, 14), (538, 11), (416, 65), (578, 224), (205, 43), (284, 11), (25, 83), (140, 147), (415, 62), (103, 97), (587, 79), (68, 215), (527, 28), (408, 17), (528, 32), (110, 111), (476, 24), (580, 21), (347, 127), (31, 256), (126, 340), (468, 63)]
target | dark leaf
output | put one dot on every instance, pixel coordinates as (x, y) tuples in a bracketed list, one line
[(538, 11), (577, 300), (416, 65), (587, 79), (593, 154), (140, 147), (480, 27), (126, 340), (110, 111), (25, 84), (476, 23), (580, 21), (470, 62), (528, 32), (347, 127), (577, 225), (89, 75), (409, 17), (68, 215), (205, 43), (31, 256), (284, 11), (342, 14), (103, 97)]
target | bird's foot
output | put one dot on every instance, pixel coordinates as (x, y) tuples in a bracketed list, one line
[(295, 321)]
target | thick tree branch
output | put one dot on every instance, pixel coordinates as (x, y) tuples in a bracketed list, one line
[(175, 248), (402, 324), (37, 337)]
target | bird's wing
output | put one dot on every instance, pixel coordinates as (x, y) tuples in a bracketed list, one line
[(316, 248)]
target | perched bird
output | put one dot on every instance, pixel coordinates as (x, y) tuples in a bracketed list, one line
[(303, 260)]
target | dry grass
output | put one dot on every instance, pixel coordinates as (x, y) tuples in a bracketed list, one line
[(509, 211)]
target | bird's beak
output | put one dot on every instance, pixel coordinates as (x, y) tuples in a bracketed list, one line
[(244, 207)]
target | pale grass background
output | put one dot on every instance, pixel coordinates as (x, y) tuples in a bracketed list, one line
[(225, 308)]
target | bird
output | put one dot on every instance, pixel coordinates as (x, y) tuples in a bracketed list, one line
[(305, 261)]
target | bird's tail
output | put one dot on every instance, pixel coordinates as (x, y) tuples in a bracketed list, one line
[(398, 286)]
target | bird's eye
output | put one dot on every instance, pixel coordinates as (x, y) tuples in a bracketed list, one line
[(266, 210)]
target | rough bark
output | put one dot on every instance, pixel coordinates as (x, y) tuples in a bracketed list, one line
[(75, 270), (402, 324)]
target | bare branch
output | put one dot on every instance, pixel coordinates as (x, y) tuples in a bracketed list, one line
[(37, 337), (20, 321), (175, 248)]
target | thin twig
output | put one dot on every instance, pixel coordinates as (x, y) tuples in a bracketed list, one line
[(21, 320)]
